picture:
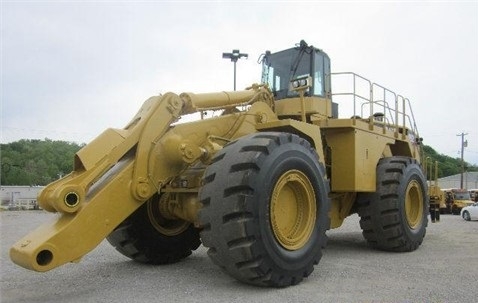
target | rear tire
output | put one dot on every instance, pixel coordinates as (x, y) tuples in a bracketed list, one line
[(146, 237), (394, 218), (265, 211)]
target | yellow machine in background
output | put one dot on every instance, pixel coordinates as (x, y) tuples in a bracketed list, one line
[(444, 201), (454, 199), (435, 194), (259, 184)]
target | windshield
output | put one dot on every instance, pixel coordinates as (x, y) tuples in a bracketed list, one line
[(278, 69), (462, 196)]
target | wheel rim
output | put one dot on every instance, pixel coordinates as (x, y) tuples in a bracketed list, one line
[(414, 203), (293, 210), (161, 224), (466, 215)]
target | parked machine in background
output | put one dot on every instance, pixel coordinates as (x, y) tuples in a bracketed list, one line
[(259, 184), (454, 200), (435, 194)]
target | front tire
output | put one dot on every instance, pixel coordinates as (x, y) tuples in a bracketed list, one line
[(265, 200), (146, 237), (394, 217), (466, 216)]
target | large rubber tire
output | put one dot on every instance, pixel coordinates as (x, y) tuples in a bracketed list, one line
[(394, 218), (265, 210), (145, 236), (466, 216)]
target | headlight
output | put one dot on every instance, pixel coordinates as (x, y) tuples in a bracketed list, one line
[(301, 83)]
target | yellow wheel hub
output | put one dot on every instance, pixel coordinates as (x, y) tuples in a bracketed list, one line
[(293, 210), (165, 226), (414, 202)]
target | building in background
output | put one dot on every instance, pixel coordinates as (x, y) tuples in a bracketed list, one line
[(19, 197), (470, 181)]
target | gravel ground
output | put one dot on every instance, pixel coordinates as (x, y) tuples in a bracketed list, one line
[(443, 269)]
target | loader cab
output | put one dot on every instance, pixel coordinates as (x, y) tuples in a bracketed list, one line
[(279, 69), (300, 62)]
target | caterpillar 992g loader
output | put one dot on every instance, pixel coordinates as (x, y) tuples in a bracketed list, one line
[(258, 184)]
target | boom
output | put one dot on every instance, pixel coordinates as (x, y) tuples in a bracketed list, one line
[(122, 168)]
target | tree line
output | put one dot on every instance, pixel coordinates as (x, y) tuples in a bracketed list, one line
[(39, 162), (447, 166), (36, 162)]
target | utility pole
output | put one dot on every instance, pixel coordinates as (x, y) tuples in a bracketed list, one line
[(234, 56), (463, 145)]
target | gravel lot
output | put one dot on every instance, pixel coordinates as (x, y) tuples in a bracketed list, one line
[(443, 269)]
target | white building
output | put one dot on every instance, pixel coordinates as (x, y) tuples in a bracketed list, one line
[(19, 197), (470, 181)]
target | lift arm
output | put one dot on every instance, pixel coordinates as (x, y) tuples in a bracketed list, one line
[(114, 175), (108, 183)]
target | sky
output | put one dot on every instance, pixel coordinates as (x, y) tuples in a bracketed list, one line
[(70, 69)]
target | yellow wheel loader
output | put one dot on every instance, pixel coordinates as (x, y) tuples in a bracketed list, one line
[(258, 183)]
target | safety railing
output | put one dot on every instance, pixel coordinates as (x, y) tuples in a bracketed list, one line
[(372, 102)]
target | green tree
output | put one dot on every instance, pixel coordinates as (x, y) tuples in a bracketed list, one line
[(447, 165), (36, 162)]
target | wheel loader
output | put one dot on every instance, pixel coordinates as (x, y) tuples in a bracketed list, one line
[(258, 183)]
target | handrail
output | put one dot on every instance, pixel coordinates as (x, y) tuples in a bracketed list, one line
[(386, 108), (397, 110), (385, 90), (354, 93)]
